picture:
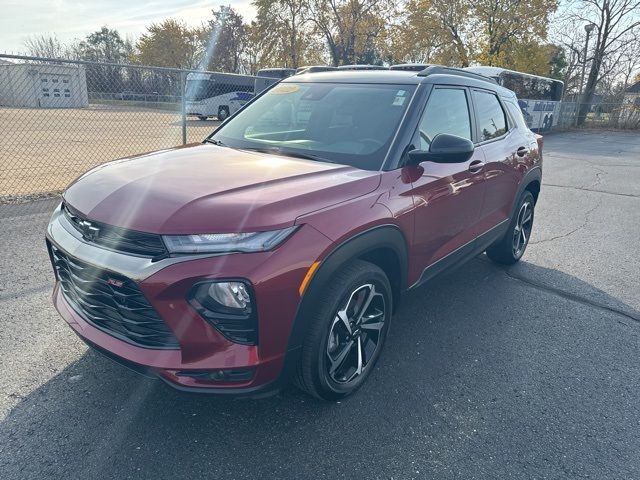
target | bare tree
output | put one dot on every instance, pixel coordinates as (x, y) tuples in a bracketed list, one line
[(45, 45), (616, 25), (571, 40), (618, 69)]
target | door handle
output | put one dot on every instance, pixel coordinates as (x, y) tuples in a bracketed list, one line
[(476, 166), (522, 151)]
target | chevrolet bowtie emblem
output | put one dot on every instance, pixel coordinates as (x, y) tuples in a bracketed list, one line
[(89, 231)]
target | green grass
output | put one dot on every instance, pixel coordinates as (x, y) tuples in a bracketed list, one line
[(170, 107)]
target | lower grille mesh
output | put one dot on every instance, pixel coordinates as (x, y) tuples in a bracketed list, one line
[(111, 302)]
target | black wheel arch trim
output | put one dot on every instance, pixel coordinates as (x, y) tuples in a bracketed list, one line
[(381, 236), (534, 174)]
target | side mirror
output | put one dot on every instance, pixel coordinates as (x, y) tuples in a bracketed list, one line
[(444, 148)]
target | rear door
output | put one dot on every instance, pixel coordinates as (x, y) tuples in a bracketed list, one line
[(447, 197), (499, 141)]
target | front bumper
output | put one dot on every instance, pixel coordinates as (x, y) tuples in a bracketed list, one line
[(275, 277)]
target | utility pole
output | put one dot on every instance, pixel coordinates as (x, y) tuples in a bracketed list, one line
[(587, 28)]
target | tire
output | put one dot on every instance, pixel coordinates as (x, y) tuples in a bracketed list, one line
[(202, 117), (223, 113), (320, 372), (510, 248)]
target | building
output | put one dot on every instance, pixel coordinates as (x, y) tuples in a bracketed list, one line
[(43, 86), (630, 108)]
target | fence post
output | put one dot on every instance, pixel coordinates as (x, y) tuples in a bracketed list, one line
[(183, 107)]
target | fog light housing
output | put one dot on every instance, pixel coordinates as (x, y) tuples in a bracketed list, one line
[(230, 294), (229, 306)]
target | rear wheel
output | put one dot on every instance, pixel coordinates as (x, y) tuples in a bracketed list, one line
[(511, 247), (223, 113), (202, 117), (347, 332)]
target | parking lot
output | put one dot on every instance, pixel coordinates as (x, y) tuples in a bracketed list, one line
[(529, 371), (78, 139)]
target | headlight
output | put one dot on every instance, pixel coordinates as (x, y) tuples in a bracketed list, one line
[(226, 242)]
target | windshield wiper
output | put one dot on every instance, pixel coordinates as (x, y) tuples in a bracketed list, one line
[(214, 142), (288, 153)]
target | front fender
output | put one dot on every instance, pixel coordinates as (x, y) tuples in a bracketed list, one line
[(386, 236)]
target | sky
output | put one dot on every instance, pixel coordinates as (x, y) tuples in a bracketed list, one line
[(69, 20)]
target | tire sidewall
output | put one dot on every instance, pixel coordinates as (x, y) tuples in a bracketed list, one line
[(223, 113), (526, 196), (322, 379)]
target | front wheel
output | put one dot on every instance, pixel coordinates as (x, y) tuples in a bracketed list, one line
[(347, 332), (511, 247)]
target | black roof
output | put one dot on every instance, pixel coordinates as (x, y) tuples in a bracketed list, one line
[(432, 74)]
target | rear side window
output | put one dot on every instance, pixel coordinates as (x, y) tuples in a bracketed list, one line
[(516, 113), (447, 111), (492, 121)]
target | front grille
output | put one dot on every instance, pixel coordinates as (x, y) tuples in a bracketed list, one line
[(117, 238), (111, 302)]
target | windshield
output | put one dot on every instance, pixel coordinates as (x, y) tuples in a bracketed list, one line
[(351, 124)]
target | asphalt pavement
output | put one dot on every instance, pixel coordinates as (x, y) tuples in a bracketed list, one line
[(530, 371)]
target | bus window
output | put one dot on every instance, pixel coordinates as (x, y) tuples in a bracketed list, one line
[(532, 88)]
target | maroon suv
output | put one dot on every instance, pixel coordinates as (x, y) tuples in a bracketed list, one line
[(279, 248)]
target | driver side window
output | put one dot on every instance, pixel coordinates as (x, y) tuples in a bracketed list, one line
[(447, 111)]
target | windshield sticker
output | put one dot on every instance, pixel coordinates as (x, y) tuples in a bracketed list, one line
[(285, 88), (400, 98)]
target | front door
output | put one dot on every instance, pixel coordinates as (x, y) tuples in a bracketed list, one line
[(447, 197)]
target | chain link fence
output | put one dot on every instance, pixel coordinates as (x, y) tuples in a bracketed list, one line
[(60, 118), (624, 114)]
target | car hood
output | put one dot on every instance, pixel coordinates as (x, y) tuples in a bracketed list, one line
[(209, 189)]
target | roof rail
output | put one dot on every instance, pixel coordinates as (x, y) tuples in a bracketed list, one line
[(314, 69), (362, 67), (410, 67), (440, 69)]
